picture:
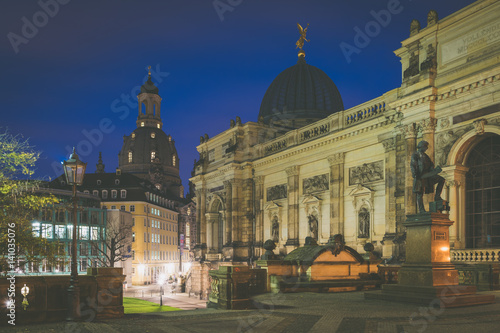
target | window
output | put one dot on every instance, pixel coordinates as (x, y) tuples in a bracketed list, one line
[(132, 208), (94, 235), (122, 207), (117, 182), (113, 207), (133, 221), (173, 160), (153, 156), (133, 258), (123, 194), (86, 192), (130, 157), (46, 231), (113, 194), (60, 231), (98, 182), (142, 124), (133, 135), (95, 192), (104, 194), (145, 224), (158, 125), (133, 237), (153, 135), (84, 232)]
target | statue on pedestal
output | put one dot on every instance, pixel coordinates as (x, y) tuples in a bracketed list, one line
[(425, 176)]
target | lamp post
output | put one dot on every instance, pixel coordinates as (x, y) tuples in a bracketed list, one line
[(74, 170)]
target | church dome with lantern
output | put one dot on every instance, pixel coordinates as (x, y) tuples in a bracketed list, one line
[(148, 152)]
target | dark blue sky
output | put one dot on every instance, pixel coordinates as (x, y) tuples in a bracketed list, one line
[(68, 77)]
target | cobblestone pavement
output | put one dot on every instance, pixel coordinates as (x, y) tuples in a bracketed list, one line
[(300, 312)]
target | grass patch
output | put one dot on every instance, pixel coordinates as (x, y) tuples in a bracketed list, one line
[(135, 305)]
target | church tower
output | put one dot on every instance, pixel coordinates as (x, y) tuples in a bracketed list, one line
[(148, 152)]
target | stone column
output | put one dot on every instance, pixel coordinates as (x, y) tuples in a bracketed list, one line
[(293, 207), (336, 193), (200, 215), (410, 134), (455, 181), (229, 210), (259, 217), (234, 211), (390, 185)]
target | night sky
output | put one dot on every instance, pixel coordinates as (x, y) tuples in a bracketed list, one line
[(80, 68)]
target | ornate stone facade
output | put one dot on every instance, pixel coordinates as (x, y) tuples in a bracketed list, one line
[(348, 173)]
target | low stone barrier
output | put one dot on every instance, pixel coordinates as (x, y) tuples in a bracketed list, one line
[(101, 296)]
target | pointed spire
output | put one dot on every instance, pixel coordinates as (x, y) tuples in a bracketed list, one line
[(99, 165)]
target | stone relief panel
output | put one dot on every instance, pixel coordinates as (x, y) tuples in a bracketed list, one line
[(366, 173), (277, 192), (315, 184), (445, 141)]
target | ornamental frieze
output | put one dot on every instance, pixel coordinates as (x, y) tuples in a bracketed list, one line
[(315, 184), (366, 173), (276, 192)]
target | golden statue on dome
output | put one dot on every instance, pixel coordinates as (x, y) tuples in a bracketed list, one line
[(300, 42)]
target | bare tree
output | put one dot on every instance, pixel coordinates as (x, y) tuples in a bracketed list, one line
[(116, 242)]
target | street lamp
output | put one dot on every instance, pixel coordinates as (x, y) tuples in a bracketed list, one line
[(74, 170)]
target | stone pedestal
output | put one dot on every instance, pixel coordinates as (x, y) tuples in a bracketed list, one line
[(428, 277)]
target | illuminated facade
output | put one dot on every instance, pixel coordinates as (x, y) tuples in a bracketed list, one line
[(348, 173)]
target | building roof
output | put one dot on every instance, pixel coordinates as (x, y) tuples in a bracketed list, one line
[(300, 95)]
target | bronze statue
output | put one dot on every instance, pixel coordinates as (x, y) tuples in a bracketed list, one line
[(303, 32), (425, 175)]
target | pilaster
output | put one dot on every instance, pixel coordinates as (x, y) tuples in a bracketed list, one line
[(336, 193)]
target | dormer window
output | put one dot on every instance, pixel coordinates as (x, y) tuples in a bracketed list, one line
[(99, 182), (153, 135), (142, 124), (133, 135), (117, 182)]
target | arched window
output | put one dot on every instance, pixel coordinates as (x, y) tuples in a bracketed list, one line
[(364, 223), (130, 157), (482, 195)]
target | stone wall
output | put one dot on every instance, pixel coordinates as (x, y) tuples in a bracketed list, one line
[(101, 296)]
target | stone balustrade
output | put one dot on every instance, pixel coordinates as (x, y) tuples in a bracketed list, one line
[(364, 112), (475, 255)]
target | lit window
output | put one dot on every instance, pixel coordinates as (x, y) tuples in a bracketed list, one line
[(130, 157), (113, 194), (153, 155), (46, 231), (153, 135), (84, 232), (104, 194), (94, 235), (133, 237), (173, 160), (133, 135), (158, 125), (142, 124), (36, 229), (123, 194), (60, 231)]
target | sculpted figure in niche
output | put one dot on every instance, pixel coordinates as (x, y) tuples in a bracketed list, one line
[(275, 230), (363, 223), (425, 175), (313, 226)]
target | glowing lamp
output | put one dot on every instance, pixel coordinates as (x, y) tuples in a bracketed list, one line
[(74, 169)]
